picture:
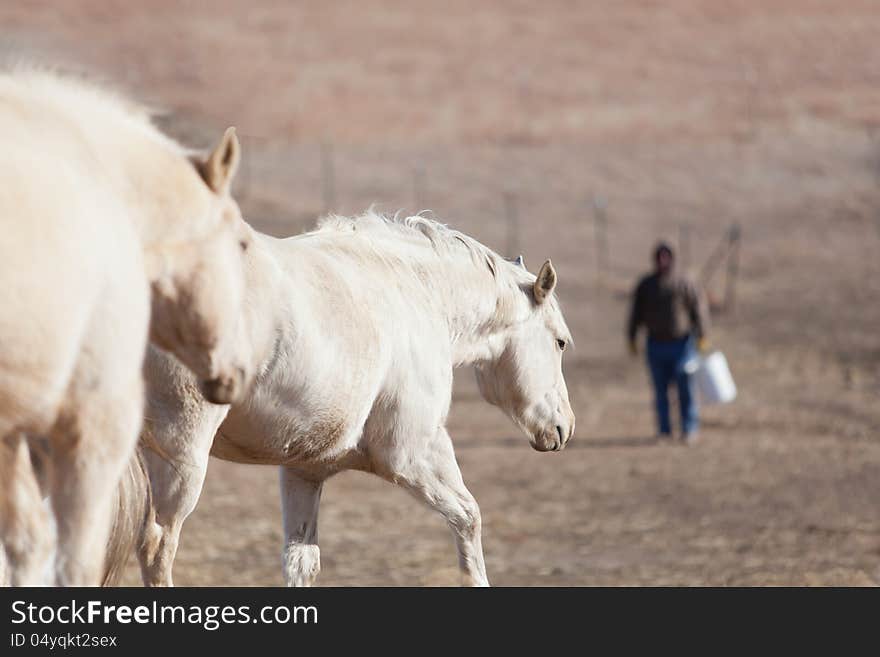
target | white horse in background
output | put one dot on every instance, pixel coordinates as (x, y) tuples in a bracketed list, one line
[(112, 234), (355, 329)]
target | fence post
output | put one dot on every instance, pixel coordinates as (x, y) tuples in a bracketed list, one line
[(328, 177), (734, 240), (684, 246), (512, 215), (875, 148), (715, 259)]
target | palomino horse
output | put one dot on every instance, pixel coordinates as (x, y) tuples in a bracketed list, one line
[(112, 235), (356, 328)]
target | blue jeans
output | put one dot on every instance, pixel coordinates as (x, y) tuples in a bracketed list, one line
[(666, 361)]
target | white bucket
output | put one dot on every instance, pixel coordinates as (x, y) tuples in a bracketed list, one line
[(714, 382)]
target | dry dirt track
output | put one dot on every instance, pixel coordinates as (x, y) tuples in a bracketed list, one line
[(699, 112)]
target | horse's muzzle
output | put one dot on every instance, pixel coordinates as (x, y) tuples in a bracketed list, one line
[(544, 447), (547, 442), (553, 440)]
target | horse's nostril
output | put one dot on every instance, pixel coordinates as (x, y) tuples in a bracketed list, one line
[(560, 434)]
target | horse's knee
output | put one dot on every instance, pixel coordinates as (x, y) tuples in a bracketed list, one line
[(28, 549), (467, 521), (156, 555), (302, 563), (150, 542), (25, 525)]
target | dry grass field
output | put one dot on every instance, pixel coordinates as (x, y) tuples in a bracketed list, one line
[(688, 112)]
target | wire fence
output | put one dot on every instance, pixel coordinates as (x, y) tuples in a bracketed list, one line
[(285, 187)]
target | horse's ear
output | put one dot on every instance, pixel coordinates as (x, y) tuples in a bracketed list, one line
[(519, 262), (219, 168), (545, 282)]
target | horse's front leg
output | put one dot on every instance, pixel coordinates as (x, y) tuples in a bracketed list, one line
[(432, 475), (301, 558), (25, 528), (175, 484), (176, 488)]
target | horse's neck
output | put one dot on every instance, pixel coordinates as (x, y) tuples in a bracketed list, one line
[(264, 318), (472, 341), (471, 302)]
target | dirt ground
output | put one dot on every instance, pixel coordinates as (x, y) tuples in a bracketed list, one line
[(692, 113)]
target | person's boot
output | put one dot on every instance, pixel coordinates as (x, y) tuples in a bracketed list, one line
[(690, 438)]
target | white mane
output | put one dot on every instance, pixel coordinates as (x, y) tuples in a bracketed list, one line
[(379, 230), (382, 231), (91, 105)]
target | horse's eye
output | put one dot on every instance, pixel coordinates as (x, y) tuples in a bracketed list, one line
[(244, 245), (561, 344)]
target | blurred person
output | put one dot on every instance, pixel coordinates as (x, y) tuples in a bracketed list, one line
[(675, 316)]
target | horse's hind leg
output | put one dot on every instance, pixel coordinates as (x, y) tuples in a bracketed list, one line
[(25, 529), (432, 475), (90, 448), (300, 498)]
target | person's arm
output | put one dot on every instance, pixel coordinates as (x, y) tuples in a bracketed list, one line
[(698, 309), (635, 318)]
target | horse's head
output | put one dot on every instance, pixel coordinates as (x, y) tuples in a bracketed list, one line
[(197, 300), (524, 375)]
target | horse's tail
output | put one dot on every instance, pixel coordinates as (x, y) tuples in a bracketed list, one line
[(133, 507)]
